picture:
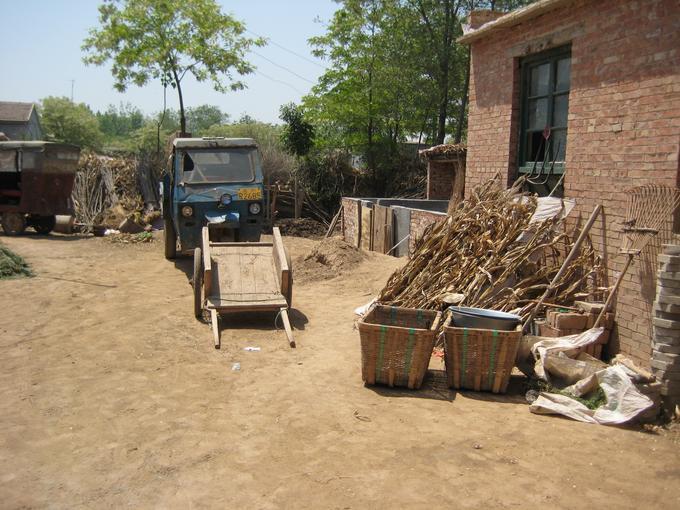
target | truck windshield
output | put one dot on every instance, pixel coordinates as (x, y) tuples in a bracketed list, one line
[(219, 166)]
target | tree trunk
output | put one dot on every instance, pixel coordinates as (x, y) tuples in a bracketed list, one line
[(464, 100), (182, 118)]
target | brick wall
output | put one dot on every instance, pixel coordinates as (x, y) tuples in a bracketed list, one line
[(445, 178), (419, 221), (439, 180), (623, 127)]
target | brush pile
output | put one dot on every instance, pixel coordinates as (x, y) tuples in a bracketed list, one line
[(12, 265), (103, 182), (489, 254)]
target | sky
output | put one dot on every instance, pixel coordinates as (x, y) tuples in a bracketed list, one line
[(41, 57)]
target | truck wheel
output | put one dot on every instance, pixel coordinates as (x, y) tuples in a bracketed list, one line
[(198, 284), (43, 225), (13, 223), (170, 238)]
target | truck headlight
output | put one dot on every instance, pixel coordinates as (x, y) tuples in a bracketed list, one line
[(255, 208), (187, 211)]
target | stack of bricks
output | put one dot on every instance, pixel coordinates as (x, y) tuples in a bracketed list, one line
[(559, 323), (666, 321)]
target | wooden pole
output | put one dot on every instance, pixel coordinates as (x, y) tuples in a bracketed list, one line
[(331, 228), (286, 327), (610, 297), (572, 254)]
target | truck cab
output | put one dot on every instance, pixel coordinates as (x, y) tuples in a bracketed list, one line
[(213, 182)]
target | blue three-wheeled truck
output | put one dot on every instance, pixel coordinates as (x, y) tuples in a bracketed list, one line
[(213, 207)]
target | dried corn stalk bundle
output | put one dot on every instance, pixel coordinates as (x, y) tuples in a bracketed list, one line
[(477, 253)]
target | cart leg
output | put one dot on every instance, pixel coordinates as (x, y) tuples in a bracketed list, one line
[(286, 326), (215, 320)]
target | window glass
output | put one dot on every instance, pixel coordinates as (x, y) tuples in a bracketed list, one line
[(563, 74), (558, 144), (560, 111), (538, 113), (540, 80), (218, 166)]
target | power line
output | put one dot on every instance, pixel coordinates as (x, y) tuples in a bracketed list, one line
[(279, 81), (288, 50), (283, 67)]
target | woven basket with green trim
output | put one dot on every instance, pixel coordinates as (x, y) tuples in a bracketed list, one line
[(396, 345), (480, 359)]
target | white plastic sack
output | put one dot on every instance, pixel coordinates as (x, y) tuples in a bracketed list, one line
[(363, 310), (624, 401), (570, 345)]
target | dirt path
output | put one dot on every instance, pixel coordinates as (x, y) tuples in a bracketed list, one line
[(111, 395)]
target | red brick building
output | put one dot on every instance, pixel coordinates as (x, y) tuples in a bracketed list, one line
[(604, 76)]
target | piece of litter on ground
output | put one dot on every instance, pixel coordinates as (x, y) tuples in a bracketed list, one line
[(361, 417), (236, 367), (251, 349), (477, 446)]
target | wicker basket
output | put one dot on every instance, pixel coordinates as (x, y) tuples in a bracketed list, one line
[(480, 359), (396, 345)]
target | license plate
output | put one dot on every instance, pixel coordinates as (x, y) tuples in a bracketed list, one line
[(250, 194)]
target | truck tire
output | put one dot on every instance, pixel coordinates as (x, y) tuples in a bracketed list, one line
[(13, 224), (197, 282), (43, 225), (170, 238)]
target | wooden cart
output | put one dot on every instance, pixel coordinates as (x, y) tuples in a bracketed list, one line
[(237, 277)]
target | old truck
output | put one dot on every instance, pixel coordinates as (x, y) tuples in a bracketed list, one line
[(36, 181), (216, 182), (213, 205)]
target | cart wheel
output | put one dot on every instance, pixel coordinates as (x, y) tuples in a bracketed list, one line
[(13, 223), (198, 284), (43, 225), (170, 238)]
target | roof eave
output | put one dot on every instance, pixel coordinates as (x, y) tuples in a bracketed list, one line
[(513, 18)]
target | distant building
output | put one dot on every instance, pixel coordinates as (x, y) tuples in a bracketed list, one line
[(20, 121)]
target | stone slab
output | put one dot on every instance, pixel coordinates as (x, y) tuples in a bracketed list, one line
[(666, 307), (666, 324), (670, 249), (666, 297)]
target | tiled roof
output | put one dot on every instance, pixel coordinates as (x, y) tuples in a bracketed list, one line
[(15, 112)]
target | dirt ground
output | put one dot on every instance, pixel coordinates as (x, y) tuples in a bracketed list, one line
[(112, 395)]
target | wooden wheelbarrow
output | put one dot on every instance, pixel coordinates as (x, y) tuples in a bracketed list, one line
[(237, 277)]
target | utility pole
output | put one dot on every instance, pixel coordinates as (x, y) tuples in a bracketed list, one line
[(72, 83)]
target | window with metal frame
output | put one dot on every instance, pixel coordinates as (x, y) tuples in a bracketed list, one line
[(545, 84)]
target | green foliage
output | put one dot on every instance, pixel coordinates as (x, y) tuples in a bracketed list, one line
[(65, 121), (12, 265), (325, 175), (166, 39), (593, 400), (297, 136), (121, 121), (395, 72), (202, 117)]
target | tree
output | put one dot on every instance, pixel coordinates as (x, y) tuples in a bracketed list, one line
[(202, 117), (166, 40), (297, 137), (69, 122), (120, 121)]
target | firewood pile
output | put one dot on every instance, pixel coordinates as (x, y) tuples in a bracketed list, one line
[(103, 182), (488, 254)]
